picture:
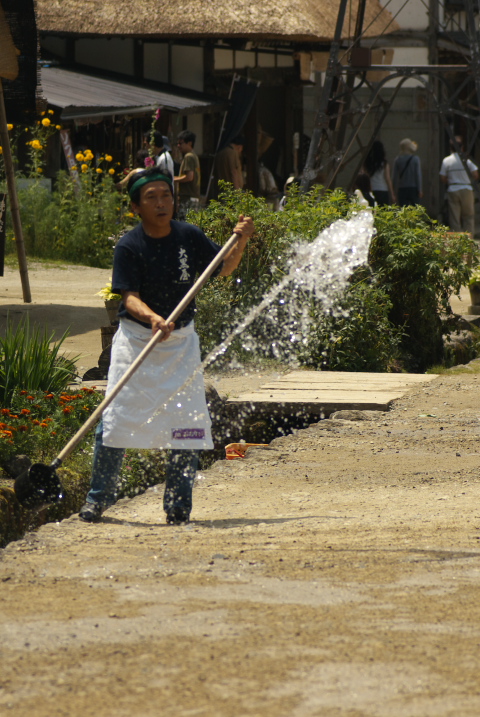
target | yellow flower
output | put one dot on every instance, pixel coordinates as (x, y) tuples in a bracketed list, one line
[(108, 157), (51, 112), (1, 150), (42, 113), (74, 168), (129, 214), (46, 122), (58, 126), (9, 127), (35, 144), (39, 170), (84, 167), (88, 155), (111, 170), (99, 171), (79, 157)]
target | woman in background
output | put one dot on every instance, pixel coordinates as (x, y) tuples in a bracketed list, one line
[(407, 174), (378, 170)]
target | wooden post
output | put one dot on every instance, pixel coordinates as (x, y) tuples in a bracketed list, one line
[(14, 208)]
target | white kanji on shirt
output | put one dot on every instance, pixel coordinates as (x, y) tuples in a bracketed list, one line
[(184, 275)]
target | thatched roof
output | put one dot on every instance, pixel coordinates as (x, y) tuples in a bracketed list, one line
[(293, 20)]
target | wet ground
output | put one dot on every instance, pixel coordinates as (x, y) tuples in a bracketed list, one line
[(335, 573)]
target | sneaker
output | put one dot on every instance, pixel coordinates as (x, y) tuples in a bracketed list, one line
[(91, 513), (177, 516)]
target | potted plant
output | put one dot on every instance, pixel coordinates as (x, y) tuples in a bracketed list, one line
[(112, 301)]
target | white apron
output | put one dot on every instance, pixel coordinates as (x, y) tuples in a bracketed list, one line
[(149, 411)]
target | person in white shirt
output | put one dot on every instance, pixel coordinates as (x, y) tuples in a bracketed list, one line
[(161, 150), (461, 210)]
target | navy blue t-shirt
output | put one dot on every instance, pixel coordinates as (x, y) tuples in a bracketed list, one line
[(162, 270)]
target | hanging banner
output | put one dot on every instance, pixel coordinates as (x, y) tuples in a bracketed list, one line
[(243, 97), (3, 219)]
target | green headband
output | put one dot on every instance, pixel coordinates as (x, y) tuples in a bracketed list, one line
[(154, 177)]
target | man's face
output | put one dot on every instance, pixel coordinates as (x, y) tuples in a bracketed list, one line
[(156, 204), (183, 146)]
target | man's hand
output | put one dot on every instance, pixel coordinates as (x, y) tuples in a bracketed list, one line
[(245, 228), (138, 309), (159, 324)]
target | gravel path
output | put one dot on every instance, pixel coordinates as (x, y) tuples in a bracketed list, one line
[(334, 574)]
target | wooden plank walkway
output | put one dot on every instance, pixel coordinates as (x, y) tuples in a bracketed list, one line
[(323, 392)]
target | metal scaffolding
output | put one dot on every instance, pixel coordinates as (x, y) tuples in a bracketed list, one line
[(454, 91)]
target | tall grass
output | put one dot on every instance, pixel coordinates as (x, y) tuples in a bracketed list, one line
[(29, 361)]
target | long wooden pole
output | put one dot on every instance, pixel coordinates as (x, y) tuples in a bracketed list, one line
[(14, 207)]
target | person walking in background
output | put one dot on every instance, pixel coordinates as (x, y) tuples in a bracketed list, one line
[(407, 175), (378, 170), (188, 180), (160, 147), (228, 163), (460, 197)]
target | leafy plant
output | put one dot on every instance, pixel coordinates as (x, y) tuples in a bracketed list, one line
[(38, 423), (393, 317), (358, 337), (29, 359), (419, 266), (107, 294)]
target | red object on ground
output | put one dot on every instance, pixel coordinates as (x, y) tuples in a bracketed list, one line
[(238, 450)]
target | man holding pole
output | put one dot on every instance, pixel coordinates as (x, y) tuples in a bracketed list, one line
[(163, 404)]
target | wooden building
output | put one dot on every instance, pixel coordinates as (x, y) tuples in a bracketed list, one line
[(188, 51)]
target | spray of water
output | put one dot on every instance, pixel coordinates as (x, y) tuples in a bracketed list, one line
[(319, 270), (316, 270)]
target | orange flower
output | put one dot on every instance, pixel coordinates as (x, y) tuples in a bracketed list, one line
[(35, 422), (13, 416), (6, 411), (31, 398), (26, 411), (49, 395), (23, 428), (43, 425), (67, 409), (53, 433), (8, 434), (23, 393)]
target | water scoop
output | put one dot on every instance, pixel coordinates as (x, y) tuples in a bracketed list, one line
[(40, 485)]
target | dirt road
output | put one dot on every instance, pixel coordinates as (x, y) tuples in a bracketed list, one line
[(334, 574)]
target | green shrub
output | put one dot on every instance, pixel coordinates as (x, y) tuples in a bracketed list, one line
[(28, 359), (393, 317), (359, 337), (79, 220), (419, 266)]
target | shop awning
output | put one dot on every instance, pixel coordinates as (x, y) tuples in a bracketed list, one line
[(82, 96)]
